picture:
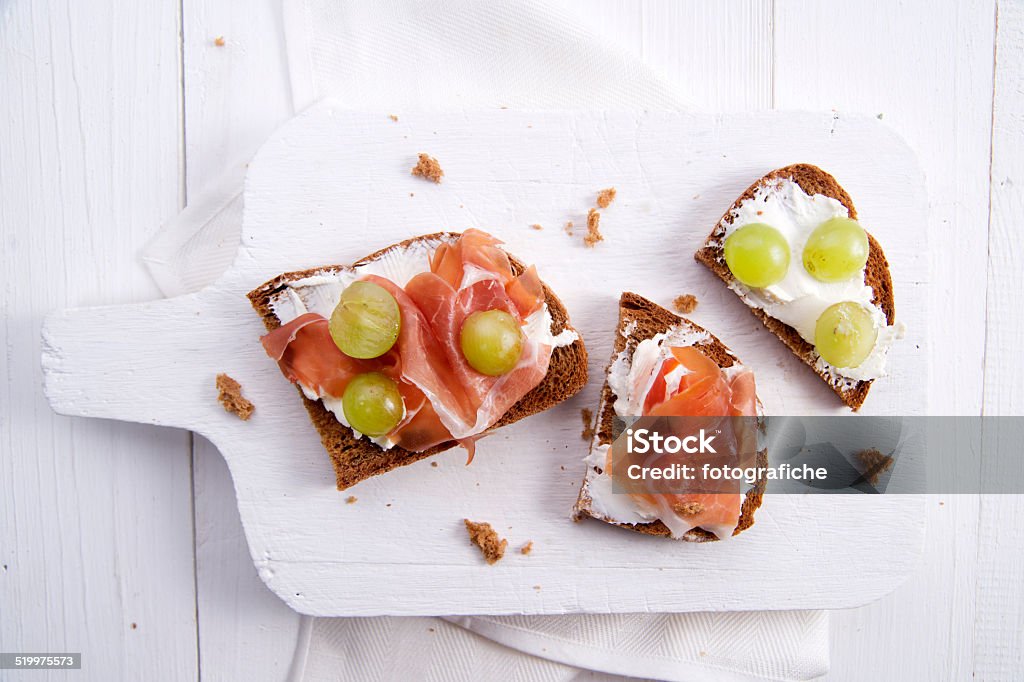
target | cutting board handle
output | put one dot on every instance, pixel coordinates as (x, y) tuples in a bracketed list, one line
[(147, 363)]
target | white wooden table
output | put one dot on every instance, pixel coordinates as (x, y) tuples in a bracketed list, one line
[(123, 541)]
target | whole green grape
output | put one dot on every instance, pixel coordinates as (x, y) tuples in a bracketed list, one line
[(844, 334), (491, 341), (757, 254), (366, 321), (837, 250), (372, 404)]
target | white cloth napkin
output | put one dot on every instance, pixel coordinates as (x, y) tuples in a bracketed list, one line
[(432, 54)]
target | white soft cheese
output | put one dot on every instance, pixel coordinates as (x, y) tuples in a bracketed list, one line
[(319, 293), (799, 299)]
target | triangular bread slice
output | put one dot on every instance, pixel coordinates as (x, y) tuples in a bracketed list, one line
[(641, 319), (356, 459), (811, 180)]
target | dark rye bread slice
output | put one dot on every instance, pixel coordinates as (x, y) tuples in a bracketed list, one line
[(812, 180), (356, 459), (645, 320)]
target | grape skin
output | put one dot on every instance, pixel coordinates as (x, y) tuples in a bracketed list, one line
[(366, 322), (836, 251), (845, 334), (491, 342), (757, 254), (372, 404)]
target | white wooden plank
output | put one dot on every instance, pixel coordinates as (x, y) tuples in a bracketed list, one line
[(928, 72), (1000, 592), (720, 52), (235, 95), (333, 178), (95, 517), (682, 41)]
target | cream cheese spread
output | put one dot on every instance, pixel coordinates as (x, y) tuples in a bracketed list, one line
[(799, 299)]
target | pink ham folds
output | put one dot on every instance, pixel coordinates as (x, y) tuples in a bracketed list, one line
[(445, 398)]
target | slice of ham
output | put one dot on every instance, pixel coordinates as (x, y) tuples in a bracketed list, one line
[(307, 355), (445, 398), (708, 392)]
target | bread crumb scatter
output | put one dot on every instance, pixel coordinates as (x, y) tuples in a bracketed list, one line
[(393, 117), (537, 587), (536, 226), (135, 626), (428, 168), (351, 499), (486, 538), (527, 548), (587, 415), (568, 228), (219, 41), (605, 197), (688, 508), (685, 303), (875, 464), (433, 464), (229, 393), (593, 235)]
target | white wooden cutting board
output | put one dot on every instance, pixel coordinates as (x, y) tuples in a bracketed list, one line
[(332, 185)]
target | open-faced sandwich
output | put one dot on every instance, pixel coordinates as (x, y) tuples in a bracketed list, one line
[(792, 249), (419, 347), (663, 366)]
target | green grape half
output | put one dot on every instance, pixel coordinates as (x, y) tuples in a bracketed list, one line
[(845, 334), (757, 254), (837, 250), (366, 321), (491, 341), (372, 404)]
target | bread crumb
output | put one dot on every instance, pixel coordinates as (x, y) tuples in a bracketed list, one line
[(593, 235), (428, 168), (229, 393), (875, 464), (685, 303), (587, 415), (219, 41), (605, 197), (351, 499), (135, 626), (537, 587), (393, 117), (688, 508), (433, 464), (537, 226), (527, 548), (486, 538), (568, 228)]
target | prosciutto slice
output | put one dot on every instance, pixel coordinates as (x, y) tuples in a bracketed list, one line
[(445, 398)]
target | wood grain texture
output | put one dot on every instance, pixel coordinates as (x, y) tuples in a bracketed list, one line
[(327, 180), (999, 590), (235, 96), (95, 517), (934, 85)]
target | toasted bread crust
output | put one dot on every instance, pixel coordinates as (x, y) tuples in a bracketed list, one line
[(355, 459), (652, 319), (812, 180)]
